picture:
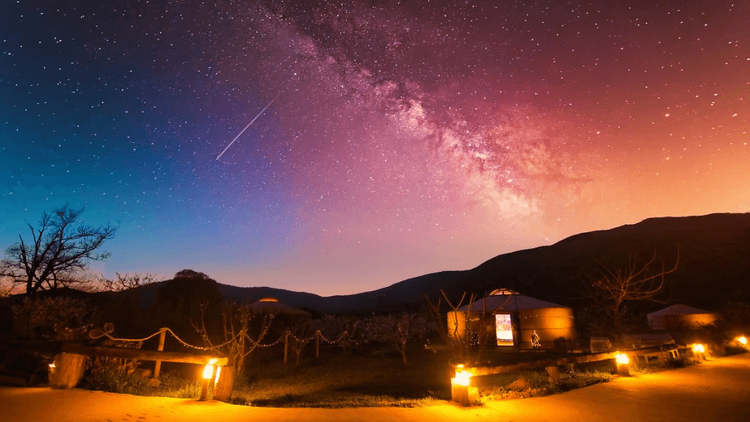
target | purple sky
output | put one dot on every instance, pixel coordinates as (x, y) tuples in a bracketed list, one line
[(406, 138)]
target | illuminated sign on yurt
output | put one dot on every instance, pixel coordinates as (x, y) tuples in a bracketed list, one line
[(503, 330)]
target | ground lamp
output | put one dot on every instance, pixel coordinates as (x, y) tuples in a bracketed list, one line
[(742, 340), (623, 364), (461, 390), (210, 372), (699, 351)]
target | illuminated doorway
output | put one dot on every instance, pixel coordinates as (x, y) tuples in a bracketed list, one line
[(504, 330)]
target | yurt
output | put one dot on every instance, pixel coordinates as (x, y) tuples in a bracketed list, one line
[(514, 320), (269, 305), (680, 317)]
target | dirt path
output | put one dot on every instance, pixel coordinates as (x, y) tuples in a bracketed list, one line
[(717, 390)]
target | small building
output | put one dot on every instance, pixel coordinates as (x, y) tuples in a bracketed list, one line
[(270, 305), (512, 320), (680, 317)]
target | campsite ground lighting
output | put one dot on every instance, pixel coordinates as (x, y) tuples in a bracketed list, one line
[(208, 374), (742, 340), (461, 390), (52, 371), (623, 364), (699, 351)]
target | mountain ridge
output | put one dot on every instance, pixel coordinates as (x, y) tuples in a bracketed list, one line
[(713, 249)]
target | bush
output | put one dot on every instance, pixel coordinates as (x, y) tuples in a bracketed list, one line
[(110, 378), (577, 379), (58, 318)]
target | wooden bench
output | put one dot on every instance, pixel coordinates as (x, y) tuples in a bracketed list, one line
[(70, 364)]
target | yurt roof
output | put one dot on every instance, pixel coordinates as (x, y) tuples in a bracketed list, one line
[(679, 309), (269, 305), (508, 300)]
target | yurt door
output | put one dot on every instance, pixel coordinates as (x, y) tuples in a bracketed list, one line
[(504, 330)]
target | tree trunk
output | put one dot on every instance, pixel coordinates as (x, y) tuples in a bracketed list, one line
[(616, 318)]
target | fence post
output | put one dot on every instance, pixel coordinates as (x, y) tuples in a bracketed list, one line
[(317, 344), (286, 346), (162, 335)]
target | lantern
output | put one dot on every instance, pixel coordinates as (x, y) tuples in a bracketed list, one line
[(623, 364), (461, 390), (463, 377), (699, 351), (208, 374)]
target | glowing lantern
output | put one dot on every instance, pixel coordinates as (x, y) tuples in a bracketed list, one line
[(622, 359), (208, 374), (742, 340), (623, 364), (52, 372), (463, 377), (461, 391), (699, 348), (208, 370)]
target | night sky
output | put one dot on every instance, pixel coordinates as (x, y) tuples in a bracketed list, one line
[(404, 138)]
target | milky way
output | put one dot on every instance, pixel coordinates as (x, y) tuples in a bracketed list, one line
[(406, 138)]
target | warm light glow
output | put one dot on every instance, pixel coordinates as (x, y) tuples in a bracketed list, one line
[(622, 359), (463, 377), (52, 365), (218, 374), (503, 329), (208, 370), (699, 348), (742, 339)]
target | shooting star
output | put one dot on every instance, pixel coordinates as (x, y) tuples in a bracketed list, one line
[(248, 125)]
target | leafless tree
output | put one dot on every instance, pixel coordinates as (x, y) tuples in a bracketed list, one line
[(301, 333), (635, 281), (60, 248), (398, 330), (123, 282), (460, 344), (238, 343)]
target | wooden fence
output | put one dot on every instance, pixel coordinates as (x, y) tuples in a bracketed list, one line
[(70, 364)]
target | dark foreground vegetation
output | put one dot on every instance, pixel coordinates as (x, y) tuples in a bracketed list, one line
[(360, 369)]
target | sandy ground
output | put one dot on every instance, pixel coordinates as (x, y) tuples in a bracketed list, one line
[(717, 390)]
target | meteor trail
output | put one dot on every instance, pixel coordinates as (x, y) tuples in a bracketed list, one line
[(248, 125)]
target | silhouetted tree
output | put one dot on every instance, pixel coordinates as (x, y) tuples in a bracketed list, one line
[(123, 282), (59, 248), (238, 342), (398, 330), (635, 281)]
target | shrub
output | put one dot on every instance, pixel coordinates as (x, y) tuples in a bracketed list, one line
[(110, 378)]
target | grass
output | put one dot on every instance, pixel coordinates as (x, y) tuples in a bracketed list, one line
[(524, 384), (347, 382), (109, 378), (336, 381)]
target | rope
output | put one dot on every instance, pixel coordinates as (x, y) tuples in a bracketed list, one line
[(108, 328), (257, 344)]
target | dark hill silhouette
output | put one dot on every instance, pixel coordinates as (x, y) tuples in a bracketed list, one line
[(714, 268), (714, 254)]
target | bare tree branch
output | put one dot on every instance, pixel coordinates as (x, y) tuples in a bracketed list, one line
[(61, 247), (630, 282)]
